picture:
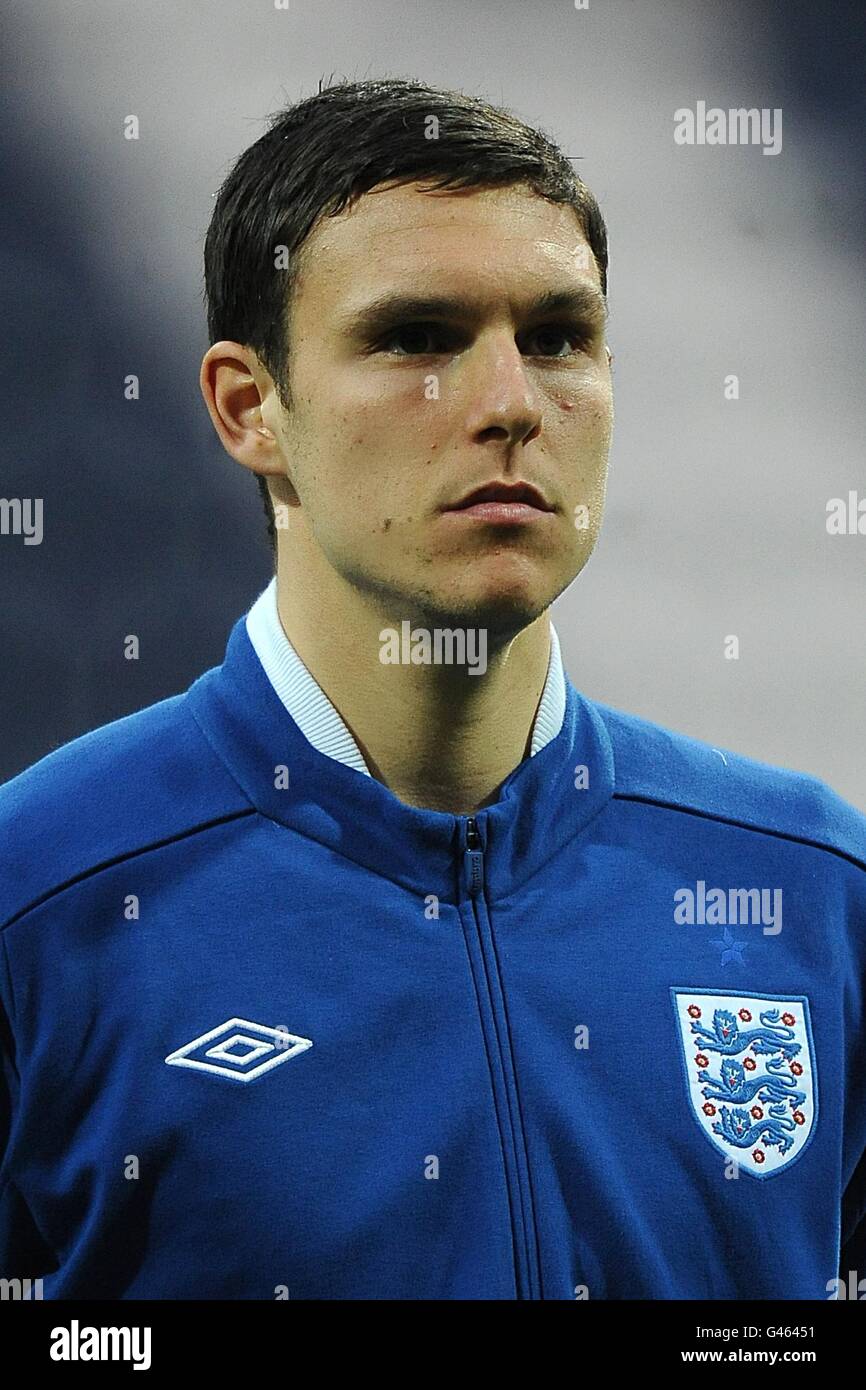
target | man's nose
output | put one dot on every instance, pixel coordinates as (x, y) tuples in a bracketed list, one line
[(502, 400)]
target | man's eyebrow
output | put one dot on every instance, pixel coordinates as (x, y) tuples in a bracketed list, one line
[(583, 301)]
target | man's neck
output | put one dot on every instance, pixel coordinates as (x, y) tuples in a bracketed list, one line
[(437, 736)]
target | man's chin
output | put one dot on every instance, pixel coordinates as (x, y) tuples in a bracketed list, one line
[(502, 599), (505, 598), (502, 613)]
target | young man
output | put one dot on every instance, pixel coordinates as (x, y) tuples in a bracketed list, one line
[(383, 962)]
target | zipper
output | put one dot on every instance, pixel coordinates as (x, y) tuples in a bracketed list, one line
[(474, 858), (494, 1022)]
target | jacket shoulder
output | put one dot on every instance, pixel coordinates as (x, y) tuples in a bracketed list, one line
[(119, 790), (658, 765)]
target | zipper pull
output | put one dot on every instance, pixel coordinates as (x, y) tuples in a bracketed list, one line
[(474, 858)]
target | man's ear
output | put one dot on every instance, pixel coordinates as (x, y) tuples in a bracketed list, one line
[(235, 386)]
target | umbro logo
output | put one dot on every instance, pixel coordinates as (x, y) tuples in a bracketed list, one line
[(239, 1050)]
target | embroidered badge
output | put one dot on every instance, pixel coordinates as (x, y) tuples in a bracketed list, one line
[(750, 1074), (239, 1051)]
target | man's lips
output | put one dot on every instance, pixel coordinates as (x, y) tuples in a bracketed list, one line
[(499, 513), (502, 503)]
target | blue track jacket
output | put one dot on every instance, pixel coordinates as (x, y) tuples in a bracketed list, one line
[(268, 1032)]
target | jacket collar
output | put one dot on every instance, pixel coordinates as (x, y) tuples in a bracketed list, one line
[(320, 721), (539, 808)]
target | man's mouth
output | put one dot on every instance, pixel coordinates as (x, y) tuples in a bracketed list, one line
[(502, 503)]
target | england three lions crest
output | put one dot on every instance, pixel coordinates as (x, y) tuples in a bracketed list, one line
[(750, 1074)]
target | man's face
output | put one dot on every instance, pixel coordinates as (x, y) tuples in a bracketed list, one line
[(399, 411)]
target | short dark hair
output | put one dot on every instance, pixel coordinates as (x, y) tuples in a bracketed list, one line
[(321, 154)]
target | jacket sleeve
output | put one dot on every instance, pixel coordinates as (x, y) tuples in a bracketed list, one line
[(23, 1252), (852, 1256)]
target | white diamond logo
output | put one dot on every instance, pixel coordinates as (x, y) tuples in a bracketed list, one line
[(239, 1050)]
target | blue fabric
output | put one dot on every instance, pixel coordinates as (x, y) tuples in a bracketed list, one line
[(443, 1136)]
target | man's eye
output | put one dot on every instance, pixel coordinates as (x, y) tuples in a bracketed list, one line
[(550, 341), (416, 339)]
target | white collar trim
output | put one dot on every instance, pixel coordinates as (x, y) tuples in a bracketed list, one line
[(319, 720)]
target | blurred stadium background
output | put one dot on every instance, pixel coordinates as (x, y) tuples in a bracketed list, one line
[(724, 260)]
